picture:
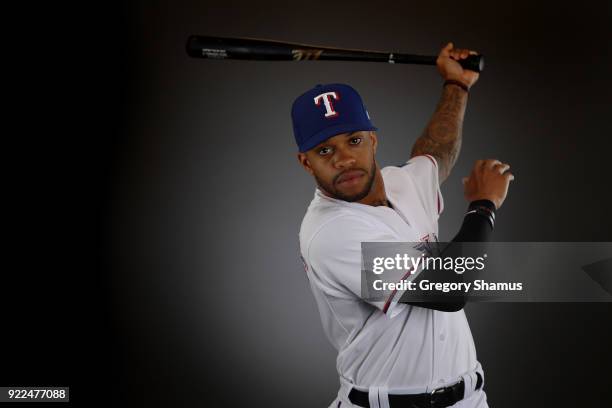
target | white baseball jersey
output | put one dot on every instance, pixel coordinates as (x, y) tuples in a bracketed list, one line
[(406, 348)]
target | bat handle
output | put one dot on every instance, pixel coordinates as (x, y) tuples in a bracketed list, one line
[(473, 63)]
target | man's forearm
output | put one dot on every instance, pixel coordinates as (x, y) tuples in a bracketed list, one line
[(442, 136)]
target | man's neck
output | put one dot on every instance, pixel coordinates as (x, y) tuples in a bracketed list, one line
[(377, 195)]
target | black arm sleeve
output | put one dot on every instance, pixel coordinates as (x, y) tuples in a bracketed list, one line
[(476, 227)]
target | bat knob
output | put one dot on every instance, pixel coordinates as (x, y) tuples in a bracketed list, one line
[(473, 63)]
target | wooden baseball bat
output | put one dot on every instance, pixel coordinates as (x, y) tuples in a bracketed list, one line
[(209, 47)]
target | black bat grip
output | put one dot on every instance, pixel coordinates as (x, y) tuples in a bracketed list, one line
[(473, 63)]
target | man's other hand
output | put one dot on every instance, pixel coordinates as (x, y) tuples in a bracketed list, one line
[(489, 180)]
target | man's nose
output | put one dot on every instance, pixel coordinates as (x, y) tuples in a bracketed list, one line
[(344, 159)]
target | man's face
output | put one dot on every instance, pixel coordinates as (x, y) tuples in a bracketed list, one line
[(344, 165)]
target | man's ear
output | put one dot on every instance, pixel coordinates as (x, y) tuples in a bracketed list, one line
[(374, 140), (305, 162)]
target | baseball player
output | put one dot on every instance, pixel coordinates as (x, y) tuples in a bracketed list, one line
[(390, 353)]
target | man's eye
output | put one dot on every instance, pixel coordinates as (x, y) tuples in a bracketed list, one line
[(324, 151), (355, 140)]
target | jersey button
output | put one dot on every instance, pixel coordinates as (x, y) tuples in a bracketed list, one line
[(442, 337)]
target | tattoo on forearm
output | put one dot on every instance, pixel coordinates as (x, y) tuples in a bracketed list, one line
[(442, 136)]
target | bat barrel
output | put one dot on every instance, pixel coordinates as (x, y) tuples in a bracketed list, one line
[(237, 48)]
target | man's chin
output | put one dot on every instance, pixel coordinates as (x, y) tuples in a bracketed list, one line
[(351, 194), (350, 191)]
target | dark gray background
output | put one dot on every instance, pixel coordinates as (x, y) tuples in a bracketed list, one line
[(210, 305)]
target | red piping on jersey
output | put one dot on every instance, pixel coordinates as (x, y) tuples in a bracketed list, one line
[(388, 302), (432, 160)]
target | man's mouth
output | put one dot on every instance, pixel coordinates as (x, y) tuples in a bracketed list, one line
[(350, 177)]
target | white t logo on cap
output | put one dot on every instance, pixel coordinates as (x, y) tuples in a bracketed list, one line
[(326, 98)]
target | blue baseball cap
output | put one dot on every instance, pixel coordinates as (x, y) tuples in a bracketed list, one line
[(326, 111)]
